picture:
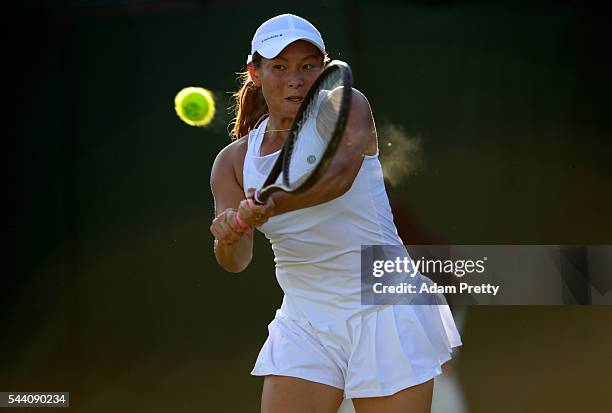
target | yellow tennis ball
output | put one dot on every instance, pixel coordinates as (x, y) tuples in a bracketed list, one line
[(195, 106)]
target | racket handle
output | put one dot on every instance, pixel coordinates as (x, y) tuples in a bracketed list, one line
[(240, 222)]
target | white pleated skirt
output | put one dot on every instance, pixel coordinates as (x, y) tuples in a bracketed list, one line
[(373, 354)]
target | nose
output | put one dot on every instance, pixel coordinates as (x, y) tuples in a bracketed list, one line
[(296, 80)]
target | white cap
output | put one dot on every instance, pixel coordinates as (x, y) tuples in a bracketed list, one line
[(278, 32)]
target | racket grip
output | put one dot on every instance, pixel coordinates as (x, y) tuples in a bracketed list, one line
[(240, 222)]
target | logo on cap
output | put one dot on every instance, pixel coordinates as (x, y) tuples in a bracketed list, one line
[(271, 37)]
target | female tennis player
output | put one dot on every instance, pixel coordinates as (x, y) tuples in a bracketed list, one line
[(323, 345)]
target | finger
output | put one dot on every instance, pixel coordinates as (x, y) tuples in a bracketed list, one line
[(216, 228), (238, 224), (268, 207), (214, 232), (222, 237), (262, 211), (243, 207), (226, 234), (231, 218), (261, 222), (230, 238), (257, 211), (259, 216), (246, 212), (250, 193), (231, 232)]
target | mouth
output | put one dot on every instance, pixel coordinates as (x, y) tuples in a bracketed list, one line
[(295, 99)]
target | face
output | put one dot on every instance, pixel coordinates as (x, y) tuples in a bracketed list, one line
[(285, 79)]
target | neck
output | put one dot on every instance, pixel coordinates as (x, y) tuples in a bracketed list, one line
[(278, 128)]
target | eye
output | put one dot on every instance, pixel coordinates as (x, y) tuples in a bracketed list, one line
[(279, 67), (308, 66)]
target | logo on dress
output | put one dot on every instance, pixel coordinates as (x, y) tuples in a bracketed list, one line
[(311, 159)]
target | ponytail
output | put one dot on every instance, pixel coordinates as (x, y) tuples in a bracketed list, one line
[(249, 104)]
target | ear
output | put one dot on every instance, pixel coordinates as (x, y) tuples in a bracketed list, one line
[(254, 75)]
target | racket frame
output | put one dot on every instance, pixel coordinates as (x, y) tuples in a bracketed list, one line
[(284, 158)]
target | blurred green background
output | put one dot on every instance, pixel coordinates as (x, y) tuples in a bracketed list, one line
[(116, 296)]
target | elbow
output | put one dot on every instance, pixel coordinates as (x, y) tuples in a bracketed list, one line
[(234, 264), (235, 267)]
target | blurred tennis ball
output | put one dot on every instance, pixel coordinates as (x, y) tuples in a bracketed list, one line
[(195, 106)]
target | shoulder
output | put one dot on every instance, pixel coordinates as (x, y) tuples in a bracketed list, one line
[(360, 112), (360, 103), (236, 149), (230, 160), (360, 123)]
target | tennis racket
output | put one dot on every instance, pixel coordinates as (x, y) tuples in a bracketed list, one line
[(314, 136)]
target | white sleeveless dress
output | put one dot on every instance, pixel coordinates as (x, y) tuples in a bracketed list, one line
[(322, 332)]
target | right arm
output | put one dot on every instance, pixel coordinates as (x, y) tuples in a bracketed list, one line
[(233, 246)]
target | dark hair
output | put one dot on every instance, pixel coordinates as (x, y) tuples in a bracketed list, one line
[(249, 103)]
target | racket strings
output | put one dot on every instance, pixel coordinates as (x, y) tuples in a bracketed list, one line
[(327, 118), (315, 129), (329, 109)]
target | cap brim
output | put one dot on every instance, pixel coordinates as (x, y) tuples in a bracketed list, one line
[(273, 50)]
